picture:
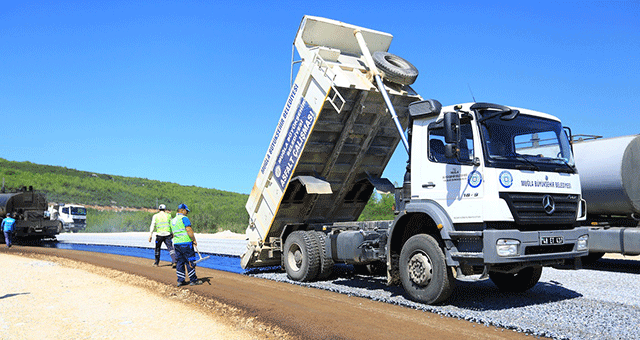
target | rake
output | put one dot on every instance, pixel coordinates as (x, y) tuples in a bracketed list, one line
[(200, 255)]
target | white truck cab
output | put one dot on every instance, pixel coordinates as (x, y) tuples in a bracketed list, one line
[(504, 177), (492, 159), (72, 216)]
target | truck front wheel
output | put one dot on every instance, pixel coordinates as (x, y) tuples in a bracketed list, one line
[(518, 282), (301, 256), (423, 270)]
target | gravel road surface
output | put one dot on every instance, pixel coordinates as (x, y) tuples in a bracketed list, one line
[(601, 301)]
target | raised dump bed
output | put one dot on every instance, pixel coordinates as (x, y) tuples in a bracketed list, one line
[(334, 138)]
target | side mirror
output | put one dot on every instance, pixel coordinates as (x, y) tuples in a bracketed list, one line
[(451, 134), (451, 127)]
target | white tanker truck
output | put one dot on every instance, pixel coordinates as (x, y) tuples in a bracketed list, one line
[(609, 171)]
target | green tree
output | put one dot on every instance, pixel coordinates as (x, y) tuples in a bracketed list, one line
[(379, 208)]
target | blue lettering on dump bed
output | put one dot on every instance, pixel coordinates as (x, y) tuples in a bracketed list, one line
[(294, 141), (283, 118)]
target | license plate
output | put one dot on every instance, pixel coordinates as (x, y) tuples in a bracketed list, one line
[(551, 240)]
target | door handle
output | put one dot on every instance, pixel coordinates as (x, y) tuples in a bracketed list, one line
[(429, 185)]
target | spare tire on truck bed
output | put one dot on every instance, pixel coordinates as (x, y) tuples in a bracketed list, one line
[(395, 69)]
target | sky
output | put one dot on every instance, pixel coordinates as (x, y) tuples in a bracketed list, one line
[(190, 92)]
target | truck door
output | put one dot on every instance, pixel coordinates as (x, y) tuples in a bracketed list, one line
[(455, 183)]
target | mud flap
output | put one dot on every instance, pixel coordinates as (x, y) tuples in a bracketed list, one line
[(247, 256)]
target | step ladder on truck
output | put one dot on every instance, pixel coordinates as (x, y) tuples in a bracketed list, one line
[(482, 197)]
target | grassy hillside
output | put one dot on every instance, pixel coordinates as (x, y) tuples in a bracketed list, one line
[(211, 210)]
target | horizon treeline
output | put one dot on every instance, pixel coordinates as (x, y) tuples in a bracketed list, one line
[(212, 210)]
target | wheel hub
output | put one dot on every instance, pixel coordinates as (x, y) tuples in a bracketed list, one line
[(298, 258), (420, 269), (295, 258)]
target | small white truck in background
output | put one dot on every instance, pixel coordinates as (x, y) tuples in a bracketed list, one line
[(490, 191), (72, 216)]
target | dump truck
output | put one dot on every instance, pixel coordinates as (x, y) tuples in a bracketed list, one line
[(490, 191), (28, 207), (72, 216), (611, 186)]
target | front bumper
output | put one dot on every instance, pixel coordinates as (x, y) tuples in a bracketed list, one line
[(531, 247)]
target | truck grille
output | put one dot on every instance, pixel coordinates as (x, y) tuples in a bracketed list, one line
[(537, 208), (79, 221)]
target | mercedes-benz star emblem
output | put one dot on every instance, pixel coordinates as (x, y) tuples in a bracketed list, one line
[(548, 204)]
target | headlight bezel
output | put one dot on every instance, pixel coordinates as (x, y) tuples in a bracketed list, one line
[(507, 247)]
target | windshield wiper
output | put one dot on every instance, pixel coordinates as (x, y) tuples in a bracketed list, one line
[(569, 168), (529, 166)]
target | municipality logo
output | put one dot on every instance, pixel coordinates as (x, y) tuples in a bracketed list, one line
[(474, 179), (506, 179)]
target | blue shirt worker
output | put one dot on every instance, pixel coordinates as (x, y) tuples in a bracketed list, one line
[(7, 228), (183, 242), (160, 224)]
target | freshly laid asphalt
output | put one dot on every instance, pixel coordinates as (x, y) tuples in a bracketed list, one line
[(224, 243)]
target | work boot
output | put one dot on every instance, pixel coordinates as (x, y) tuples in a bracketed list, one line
[(156, 264), (182, 283), (195, 283)]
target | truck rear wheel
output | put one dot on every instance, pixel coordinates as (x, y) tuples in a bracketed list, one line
[(301, 256), (518, 282), (423, 270), (326, 262)]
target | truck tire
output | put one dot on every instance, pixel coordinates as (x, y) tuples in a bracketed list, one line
[(518, 282), (395, 69), (301, 256), (423, 271), (326, 262)]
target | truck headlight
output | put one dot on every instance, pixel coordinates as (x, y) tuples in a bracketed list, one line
[(583, 242), (506, 247)]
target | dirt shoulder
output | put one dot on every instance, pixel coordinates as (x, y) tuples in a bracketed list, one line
[(256, 308), (49, 297)]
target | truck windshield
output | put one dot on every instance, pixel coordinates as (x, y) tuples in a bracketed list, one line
[(78, 211), (527, 143)]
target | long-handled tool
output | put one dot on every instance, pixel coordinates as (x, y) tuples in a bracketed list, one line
[(201, 258)]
